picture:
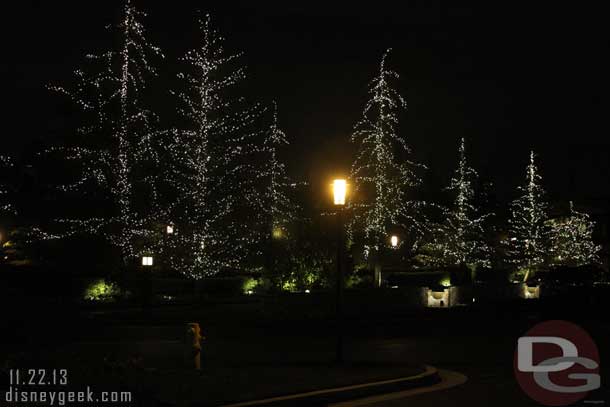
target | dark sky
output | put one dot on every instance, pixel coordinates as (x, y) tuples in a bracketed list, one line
[(507, 77)]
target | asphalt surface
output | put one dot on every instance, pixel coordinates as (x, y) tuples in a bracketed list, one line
[(476, 342)]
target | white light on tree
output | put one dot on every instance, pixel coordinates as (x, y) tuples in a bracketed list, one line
[(339, 191), (211, 152), (572, 240), (460, 238), (383, 171), (529, 243), (116, 138), (273, 201), (169, 229), (147, 261), (6, 207)]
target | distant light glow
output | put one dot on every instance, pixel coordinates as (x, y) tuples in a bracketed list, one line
[(169, 229), (147, 261)]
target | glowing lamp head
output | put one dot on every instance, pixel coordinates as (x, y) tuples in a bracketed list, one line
[(394, 241), (169, 229), (339, 191), (278, 233), (147, 261)]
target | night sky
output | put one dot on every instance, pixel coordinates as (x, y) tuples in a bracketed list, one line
[(508, 78)]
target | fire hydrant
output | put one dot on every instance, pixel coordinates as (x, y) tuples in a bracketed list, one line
[(193, 345)]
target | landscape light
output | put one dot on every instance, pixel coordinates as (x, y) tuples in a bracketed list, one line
[(147, 261), (278, 233), (169, 229)]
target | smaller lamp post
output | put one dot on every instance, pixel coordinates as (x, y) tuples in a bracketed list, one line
[(278, 233), (169, 229), (394, 241), (147, 261)]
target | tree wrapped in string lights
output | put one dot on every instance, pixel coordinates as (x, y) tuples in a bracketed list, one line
[(528, 237), (116, 147), (572, 240), (276, 207), (276, 204), (212, 169), (460, 239), (382, 172)]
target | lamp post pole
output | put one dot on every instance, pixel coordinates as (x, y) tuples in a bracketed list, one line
[(339, 192), (339, 298)]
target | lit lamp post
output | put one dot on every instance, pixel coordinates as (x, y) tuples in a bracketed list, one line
[(339, 194), (169, 231), (147, 261), (394, 241), (146, 281)]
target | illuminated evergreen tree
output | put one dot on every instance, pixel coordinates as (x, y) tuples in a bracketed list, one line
[(528, 239), (460, 239), (116, 148), (276, 202), (211, 173), (277, 209), (572, 240), (382, 173)]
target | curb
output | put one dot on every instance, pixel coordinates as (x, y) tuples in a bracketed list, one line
[(335, 395)]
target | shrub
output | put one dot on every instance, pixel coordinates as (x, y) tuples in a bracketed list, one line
[(249, 285), (102, 291)]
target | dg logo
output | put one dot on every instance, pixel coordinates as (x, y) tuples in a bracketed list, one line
[(557, 363)]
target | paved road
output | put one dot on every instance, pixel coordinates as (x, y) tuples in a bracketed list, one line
[(476, 343), (476, 371), (483, 388)]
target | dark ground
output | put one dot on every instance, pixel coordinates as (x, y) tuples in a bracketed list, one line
[(276, 346)]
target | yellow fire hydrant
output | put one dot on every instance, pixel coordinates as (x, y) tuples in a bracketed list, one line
[(193, 344)]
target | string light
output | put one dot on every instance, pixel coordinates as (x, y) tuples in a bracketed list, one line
[(6, 207), (572, 240), (381, 177), (529, 234), (460, 240), (213, 178), (277, 204), (109, 92)]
